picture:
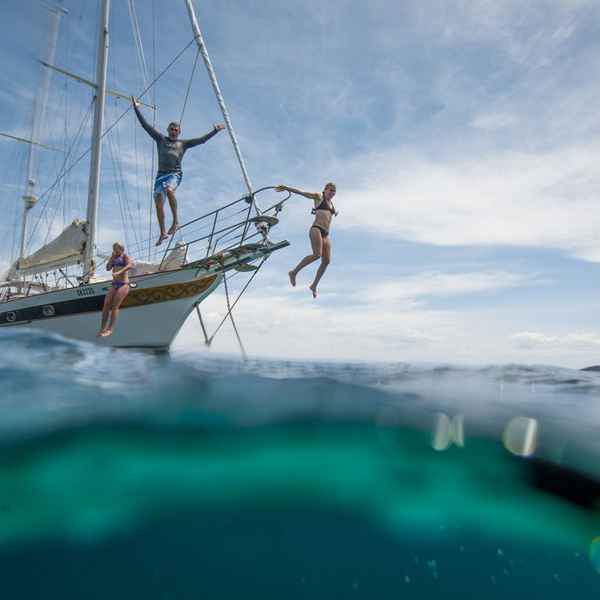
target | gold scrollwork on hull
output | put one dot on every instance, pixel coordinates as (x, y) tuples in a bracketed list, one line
[(165, 293)]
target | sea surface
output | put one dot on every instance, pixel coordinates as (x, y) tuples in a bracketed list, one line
[(126, 474)]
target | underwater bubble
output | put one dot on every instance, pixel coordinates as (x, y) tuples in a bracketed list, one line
[(595, 553), (520, 436)]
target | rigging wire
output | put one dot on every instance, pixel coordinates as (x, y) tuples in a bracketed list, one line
[(229, 310), (19, 156), (141, 58), (189, 87), (155, 117), (232, 306), (111, 152), (113, 125), (45, 196), (137, 38)]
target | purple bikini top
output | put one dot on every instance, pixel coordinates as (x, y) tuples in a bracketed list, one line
[(119, 261)]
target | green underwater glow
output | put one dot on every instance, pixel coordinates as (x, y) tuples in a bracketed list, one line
[(93, 481)]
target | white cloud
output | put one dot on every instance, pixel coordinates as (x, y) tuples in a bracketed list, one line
[(295, 326), (493, 121), (506, 198), (446, 284), (471, 123), (577, 341), (385, 321)]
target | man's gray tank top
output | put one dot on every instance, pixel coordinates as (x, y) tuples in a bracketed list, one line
[(170, 152)]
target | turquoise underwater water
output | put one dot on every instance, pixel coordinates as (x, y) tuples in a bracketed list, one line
[(125, 474)]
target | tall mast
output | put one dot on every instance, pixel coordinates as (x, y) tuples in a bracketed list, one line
[(217, 90), (39, 110), (100, 101)]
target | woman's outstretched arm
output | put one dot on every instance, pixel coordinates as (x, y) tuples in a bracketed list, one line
[(309, 195)]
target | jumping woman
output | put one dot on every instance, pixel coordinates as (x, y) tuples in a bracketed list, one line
[(320, 240), (119, 263)]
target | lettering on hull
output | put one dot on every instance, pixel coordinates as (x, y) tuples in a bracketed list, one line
[(87, 303)]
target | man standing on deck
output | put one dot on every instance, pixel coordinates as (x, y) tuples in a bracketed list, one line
[(170, 154)]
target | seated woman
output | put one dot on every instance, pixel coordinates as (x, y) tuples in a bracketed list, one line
[(318, 232), (119, 263)]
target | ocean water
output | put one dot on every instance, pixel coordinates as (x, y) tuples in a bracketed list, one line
[(126, 474)]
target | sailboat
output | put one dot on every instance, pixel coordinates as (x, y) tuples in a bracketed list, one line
[(234, 237)]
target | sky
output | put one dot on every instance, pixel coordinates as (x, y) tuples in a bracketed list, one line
[(463, 137)]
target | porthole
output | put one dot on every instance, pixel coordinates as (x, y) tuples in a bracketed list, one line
[(11, 317), (48, 311)]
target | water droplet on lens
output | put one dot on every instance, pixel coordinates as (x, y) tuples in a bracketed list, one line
[(595, 553), (520, 436)]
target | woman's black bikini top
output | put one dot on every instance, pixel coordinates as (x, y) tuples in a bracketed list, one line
[(324, 205)]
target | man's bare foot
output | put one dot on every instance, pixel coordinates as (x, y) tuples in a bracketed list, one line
[(173, 228), (313, 289), (99, 334), (161, 239), (106, 333), (292, 277)]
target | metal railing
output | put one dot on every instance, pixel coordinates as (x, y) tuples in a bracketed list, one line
[(223, 229)]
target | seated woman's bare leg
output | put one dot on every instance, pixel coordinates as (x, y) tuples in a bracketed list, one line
[(108, 299), (120, 295)]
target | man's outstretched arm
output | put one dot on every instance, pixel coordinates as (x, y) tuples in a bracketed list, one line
[(150, 130), (197, 141)]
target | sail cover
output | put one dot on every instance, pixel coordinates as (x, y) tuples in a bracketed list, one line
[(64, 250), (175, 259)]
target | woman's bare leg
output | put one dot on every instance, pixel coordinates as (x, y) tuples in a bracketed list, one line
[(160, 215), (316, 241), (325, 260), (106, 309), (120, 295), (173, 205)]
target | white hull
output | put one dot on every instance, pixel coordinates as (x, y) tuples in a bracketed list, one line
[(150, 317), (152, 323)]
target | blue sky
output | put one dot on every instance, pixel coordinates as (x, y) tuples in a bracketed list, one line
[(462, 136)]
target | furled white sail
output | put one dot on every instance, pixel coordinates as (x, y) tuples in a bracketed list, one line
[(64, 250)]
